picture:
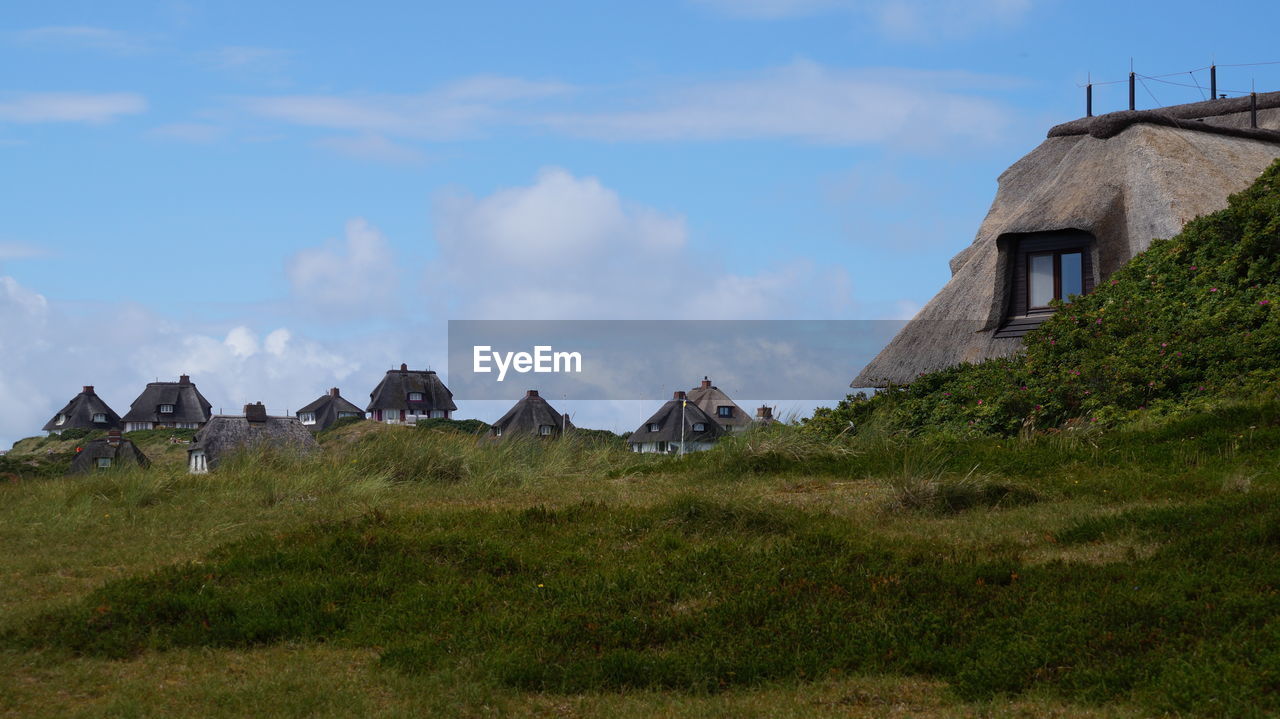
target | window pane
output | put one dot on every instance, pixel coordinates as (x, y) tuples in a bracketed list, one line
[(1072, 274), (1041, 280)]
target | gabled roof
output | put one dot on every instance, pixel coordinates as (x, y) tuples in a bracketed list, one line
[(226, 434), (528, 416), (393, 391), (79, 413), (1125, 178), (122, 452), (710, 398), (327, 409), (188, 404), (668, 419)]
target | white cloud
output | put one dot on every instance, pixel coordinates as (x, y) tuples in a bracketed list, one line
[(567, 247), (81, 36), (348, 278), (48, 354), (20, 251), (803, 101), (452, 111), (807, 101), (373, 147), (914, 20), (245, 57), (93, 108), (189, 132)]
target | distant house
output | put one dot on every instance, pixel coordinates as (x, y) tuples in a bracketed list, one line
[(111, 452), (404, 396), (168, 405), (225, 435), (532, 416), (679, 426), (85, 411), (715, 402), (764, 416), (331, 407)]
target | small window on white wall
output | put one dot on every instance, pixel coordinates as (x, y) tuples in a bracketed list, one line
[(439, 414)]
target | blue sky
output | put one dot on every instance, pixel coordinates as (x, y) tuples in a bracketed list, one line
[(281, 197)]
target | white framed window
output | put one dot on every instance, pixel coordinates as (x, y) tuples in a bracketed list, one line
[(497, 431), (104, 463), (653, 427), (307, 417), (166, 409), (545, 429), (186, 425), (99, 417), (415, 396), (699, 427), (724, 411), (439, 414), (198, 463), (60, 420)]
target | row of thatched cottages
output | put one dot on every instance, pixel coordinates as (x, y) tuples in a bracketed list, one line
[(690, 421)]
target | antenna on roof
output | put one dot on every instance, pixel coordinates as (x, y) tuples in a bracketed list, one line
[(1213, 79), (1088, 96), (1132, 96)]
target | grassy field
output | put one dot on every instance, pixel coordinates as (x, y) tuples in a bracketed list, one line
[(1080, 573)]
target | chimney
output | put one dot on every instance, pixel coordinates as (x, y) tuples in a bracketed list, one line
[(531, 393), (404, 367), (88, 389), (333, 392), (183, 379), (113, 437), (679, 395), (764, 413), (255, 412), (706, 383)]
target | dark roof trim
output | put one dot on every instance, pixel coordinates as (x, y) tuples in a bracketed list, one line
[(1183, 117)]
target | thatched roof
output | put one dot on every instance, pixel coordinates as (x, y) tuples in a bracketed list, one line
[(226, 434), (1121, 178), (393, 391), (327, 409), (78, 414), (711, 398), (528, 416), (668, 421), (121, 452), (189, 406)]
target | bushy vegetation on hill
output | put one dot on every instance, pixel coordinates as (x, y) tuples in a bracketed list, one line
[(1192, 320)]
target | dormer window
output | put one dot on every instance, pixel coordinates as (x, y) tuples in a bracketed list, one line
[(653, 427), (1044, 266), (104, 463), (699, 426), (545, 429), (415, 396), (307, 417), (61, 420), (99, 417), (1053, 276), (497, 431), (166, 409), (724, 411)]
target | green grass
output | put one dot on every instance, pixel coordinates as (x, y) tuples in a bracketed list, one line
[(1079, 573)]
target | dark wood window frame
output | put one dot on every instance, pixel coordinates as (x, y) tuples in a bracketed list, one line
[(1057, 275)]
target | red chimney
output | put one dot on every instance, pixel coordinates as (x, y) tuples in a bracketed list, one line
[(404, 367), (333, 391), (255, 412), (183, 379), (531, 393), (88, 389), (706, 383), (764, 413), (679, 395)]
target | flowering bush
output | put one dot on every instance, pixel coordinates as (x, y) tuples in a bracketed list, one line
[(1187, 322)]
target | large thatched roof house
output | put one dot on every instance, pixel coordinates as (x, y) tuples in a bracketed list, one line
[(166, 405), (716, 403), (85, 411), (532, 416), (679, 426), (331, 407), (1089, 198), (404, 396), (110, 452), (225, 435)]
